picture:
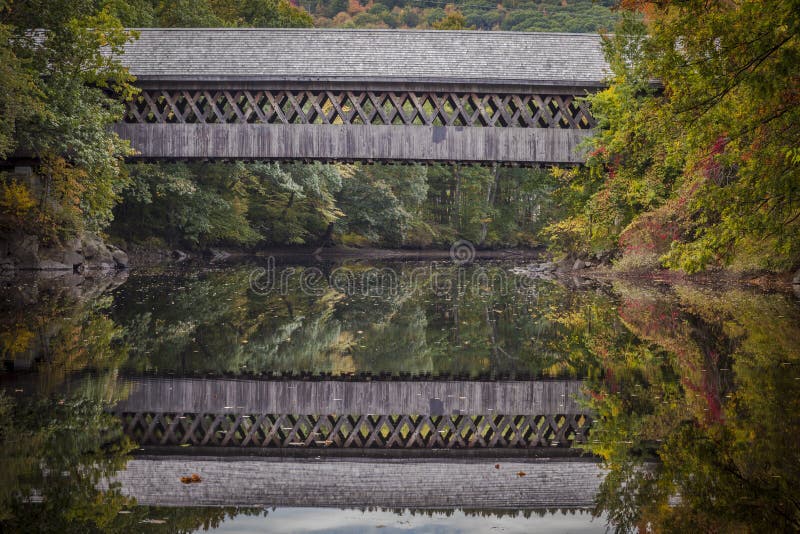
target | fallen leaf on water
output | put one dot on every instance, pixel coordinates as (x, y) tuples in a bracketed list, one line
[(497, 466), (196, 477), (521, 474)]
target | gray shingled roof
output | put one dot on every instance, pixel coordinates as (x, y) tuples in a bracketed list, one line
[(374, 55)]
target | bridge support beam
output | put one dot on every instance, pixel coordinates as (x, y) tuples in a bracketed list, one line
[(424, 144)]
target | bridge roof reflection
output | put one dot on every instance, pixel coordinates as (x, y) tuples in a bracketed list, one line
[(422, 484)]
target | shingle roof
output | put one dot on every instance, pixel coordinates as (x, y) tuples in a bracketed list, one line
[(376, 55)]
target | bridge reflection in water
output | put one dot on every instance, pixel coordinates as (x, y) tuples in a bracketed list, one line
[(329, 414), (339, 443)]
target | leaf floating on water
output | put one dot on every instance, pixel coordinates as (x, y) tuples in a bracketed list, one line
[(497, 466), (521, 474)]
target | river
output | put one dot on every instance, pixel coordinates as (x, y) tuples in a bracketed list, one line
[(429, 395)]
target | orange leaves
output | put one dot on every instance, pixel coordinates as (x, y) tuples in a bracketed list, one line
[(66, 180), (645, 7)]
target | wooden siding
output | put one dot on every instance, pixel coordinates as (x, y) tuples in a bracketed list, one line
[(354, 143), (218, 395)]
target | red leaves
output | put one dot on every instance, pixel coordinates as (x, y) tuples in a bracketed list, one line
[(711, 168)]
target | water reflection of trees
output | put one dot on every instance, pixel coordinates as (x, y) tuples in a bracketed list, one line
[(58, 442), (699, 424), (213, 322), (696, 391), (60, 326), (55, 453)]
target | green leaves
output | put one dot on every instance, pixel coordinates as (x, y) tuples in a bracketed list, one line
[(56, 110), (708, 150)]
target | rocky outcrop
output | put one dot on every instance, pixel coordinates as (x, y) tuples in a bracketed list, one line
[(581, 264), (20, 251)]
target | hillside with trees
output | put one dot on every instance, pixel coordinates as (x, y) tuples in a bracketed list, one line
[(541, 16)]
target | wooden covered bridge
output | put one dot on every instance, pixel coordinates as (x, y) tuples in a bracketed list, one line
[(361, 95)]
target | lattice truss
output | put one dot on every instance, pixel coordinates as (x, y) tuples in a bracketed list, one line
[(364, 107), (357, 431)]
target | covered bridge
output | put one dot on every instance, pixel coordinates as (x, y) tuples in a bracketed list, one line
[(362, 95)]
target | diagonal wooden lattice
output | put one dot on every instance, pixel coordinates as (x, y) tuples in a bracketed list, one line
[(360, 107), (356, 431)]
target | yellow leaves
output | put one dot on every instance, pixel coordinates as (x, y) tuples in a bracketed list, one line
[(16, 200), (345, 170), (15, 341), (562, 173)]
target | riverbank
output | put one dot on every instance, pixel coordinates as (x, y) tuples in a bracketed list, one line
[(20, 253), (148, 257), (85, 252), (715, 279)]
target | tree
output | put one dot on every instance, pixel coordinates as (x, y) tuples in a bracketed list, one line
[(59, 110), (702, 172), (187, 14), (453, 20), (274, 14)]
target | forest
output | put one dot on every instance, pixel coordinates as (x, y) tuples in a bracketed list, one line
[(697, 171)]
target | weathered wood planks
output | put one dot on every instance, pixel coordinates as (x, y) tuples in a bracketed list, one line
[(354, 143), (222, 395)]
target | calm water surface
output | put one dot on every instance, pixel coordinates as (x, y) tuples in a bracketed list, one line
[(693, 392)]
